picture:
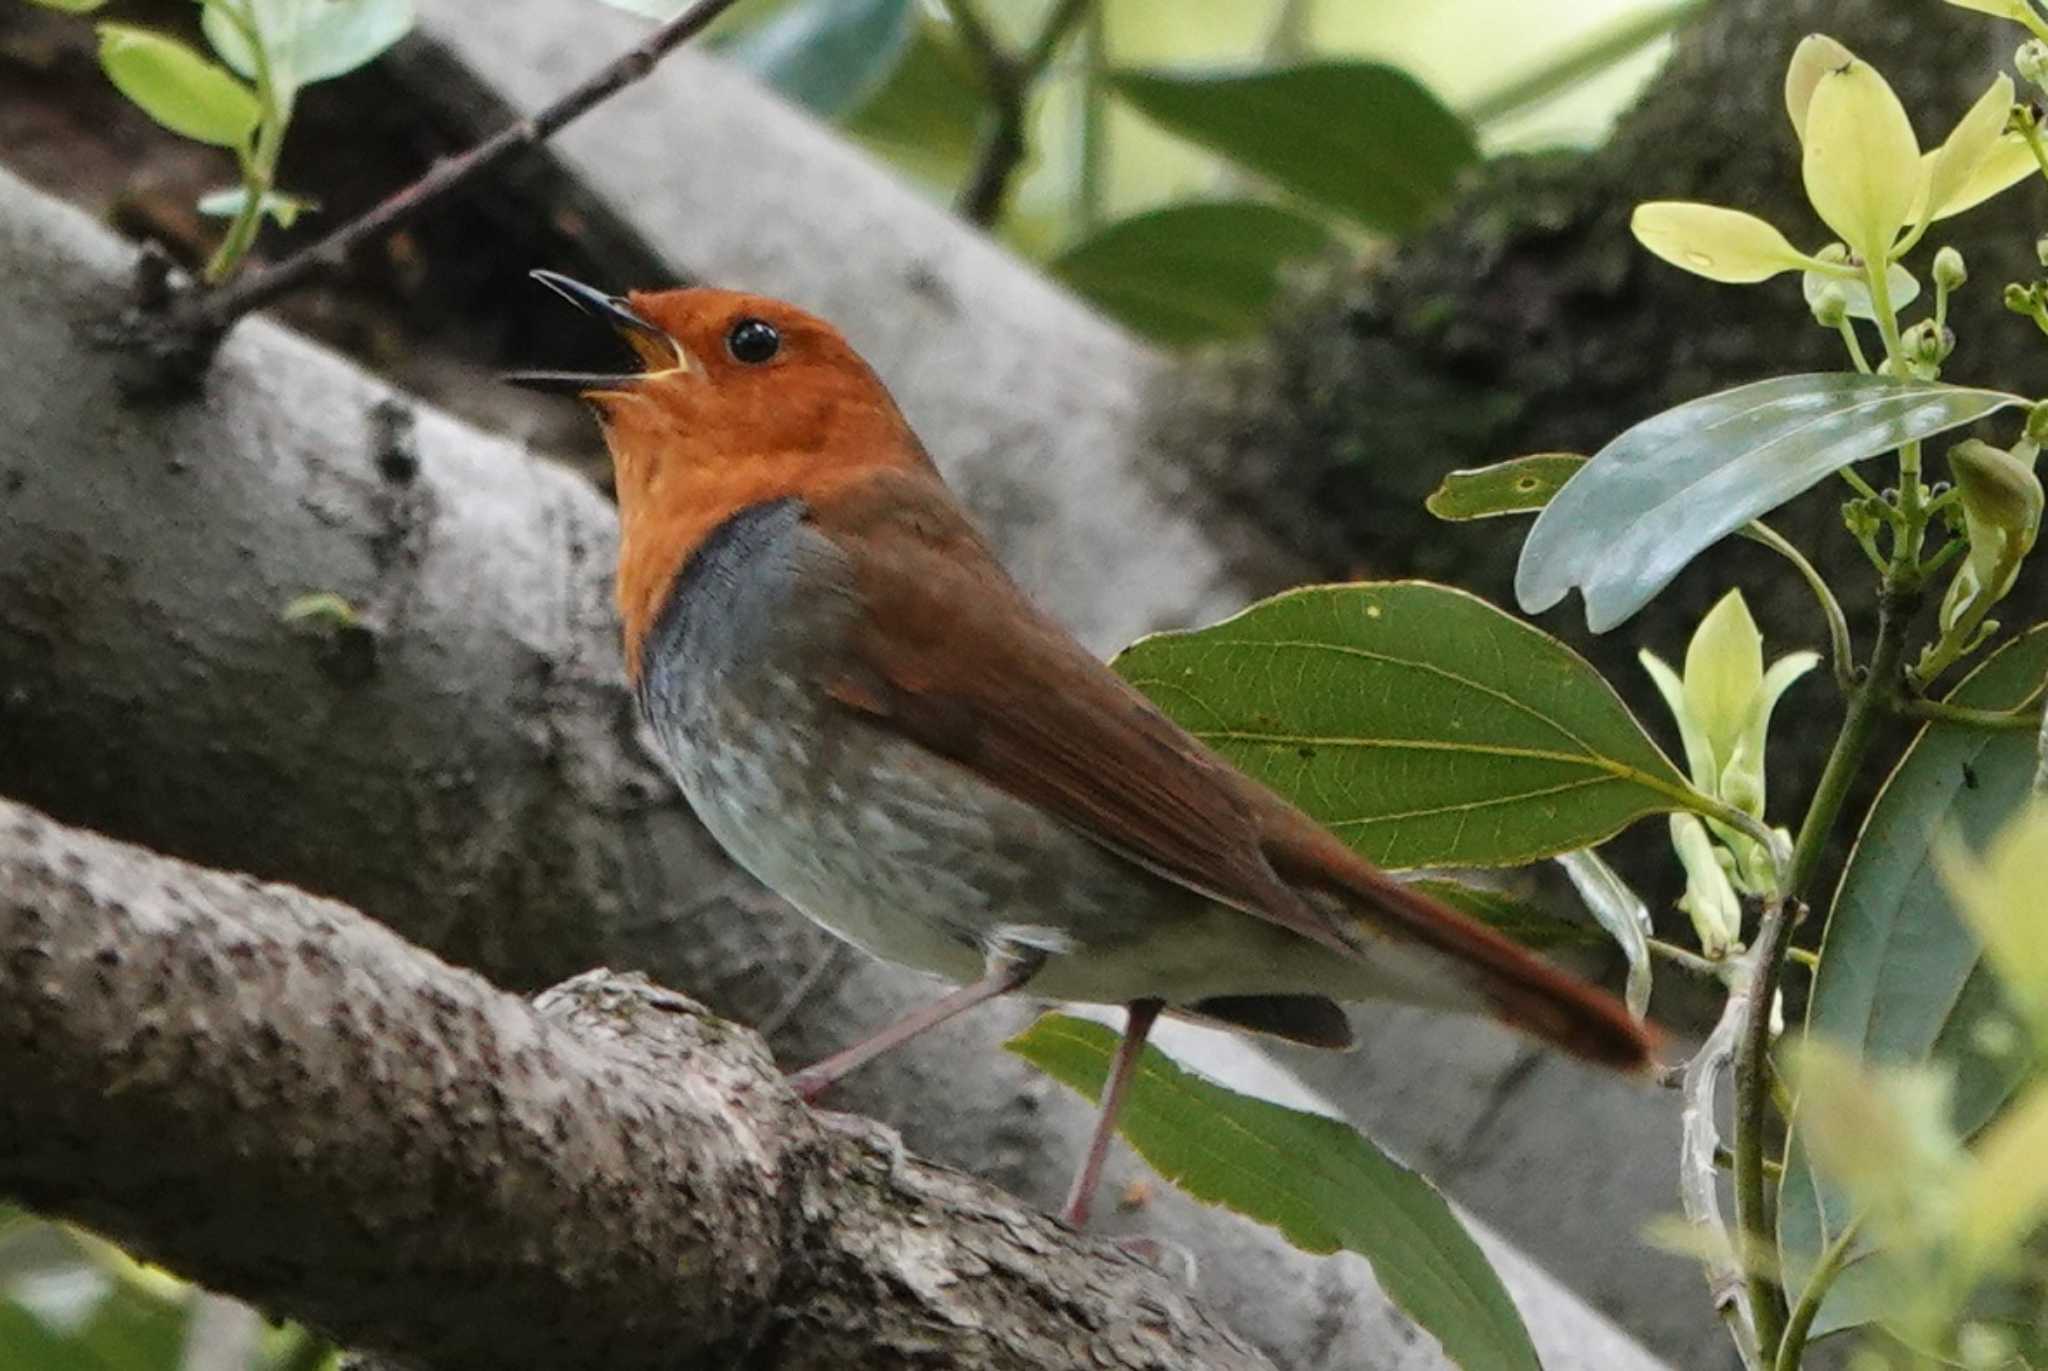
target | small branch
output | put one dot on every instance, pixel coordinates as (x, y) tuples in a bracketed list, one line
[(278, 1097), (1007, 82), (1689, 961), (202, 318), (1767, 954), (1698, 1185)]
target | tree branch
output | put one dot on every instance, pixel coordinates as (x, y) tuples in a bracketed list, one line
[(272, 1094)]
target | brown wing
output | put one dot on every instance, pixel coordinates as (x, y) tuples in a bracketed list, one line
[(952, 654)]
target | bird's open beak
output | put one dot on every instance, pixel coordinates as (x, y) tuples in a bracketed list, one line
[(657, 351)]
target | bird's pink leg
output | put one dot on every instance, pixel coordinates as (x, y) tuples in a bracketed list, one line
[(1007, 970), (1140, 1016)]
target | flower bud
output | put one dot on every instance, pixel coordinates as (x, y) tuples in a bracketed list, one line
[(1949, 271), (2031, 61), (2037, 425), (1715, 908), (1830, 305), (1927, 345), (2018, 298)]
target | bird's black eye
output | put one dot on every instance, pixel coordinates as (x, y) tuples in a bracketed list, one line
[(753, 341)]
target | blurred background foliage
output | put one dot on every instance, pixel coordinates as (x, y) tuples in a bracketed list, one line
[(1172, 159)]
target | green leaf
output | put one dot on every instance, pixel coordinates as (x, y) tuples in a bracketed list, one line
[(926, 117), (71, 6), (1902, 977), (337, 36), (828, 57), (1421, 724), (1363, 139), (1191, 273), (1527, 923), (1521, 485), (1315, 1179), (285, 209), (1677, 483), (177, 87)]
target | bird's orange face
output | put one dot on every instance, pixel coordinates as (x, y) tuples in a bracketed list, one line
[(738, 399)]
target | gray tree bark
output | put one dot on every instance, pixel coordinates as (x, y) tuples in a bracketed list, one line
[(280, 1097), (465, 766)]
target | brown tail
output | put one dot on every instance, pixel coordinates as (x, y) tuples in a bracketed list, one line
[(1524, 990)]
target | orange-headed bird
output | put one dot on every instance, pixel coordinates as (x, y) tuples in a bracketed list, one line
[(872, 718)]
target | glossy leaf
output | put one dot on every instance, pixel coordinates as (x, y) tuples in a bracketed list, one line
[(829, 58), (1902, 978), (1521, 485), (1325, 1187), (177, 87), (1527, 923), (1421, 724), (1191, 273), (1620, 911), (1363, 139), (1679, 482)]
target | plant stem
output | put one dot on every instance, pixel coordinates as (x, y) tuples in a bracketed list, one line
[(1687, 960), (1094, 139), (1854, 344), (1831, 609), (2041, 771), (203, 318), (1007, 81), (1793, 1348), (1698, 1179), (2022, 717), (1752, 1056), (1603, 48)]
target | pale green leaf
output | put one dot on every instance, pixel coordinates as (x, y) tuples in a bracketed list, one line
[(1325, 1187), (71, 6), (1954, 164), (1521, 485), (177, 87), (2004, 895), (1421, 724), (1720, 244), (1361, 138), (1618, 909), (1862, 163), (1901, 285), (1677, 483), (1816, 56), (1191, 273)]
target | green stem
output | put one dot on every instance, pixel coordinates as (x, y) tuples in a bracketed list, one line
[(2031, 131), (259, 164), (1854, 344), (1602, 49), (2023, 718), (1752, 1054), (1792, 1350), (1887, 320), (1831, 609), (1687, 960), (1007, 82), (1088, 190), (307, 1352)]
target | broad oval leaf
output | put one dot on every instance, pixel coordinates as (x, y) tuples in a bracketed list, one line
[(829, 58), (1901, 976), (1421, 724), (177, 87), (1520, 485), (1191, 273), (926, 118), (1677, 483), (1363, 139), (1316, 1179), (1900, 284)]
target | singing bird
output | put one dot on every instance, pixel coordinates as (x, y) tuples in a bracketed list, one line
[(871, 717)]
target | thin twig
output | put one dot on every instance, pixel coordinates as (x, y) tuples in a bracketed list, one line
[(1689, 961), (1698, 1185), (1007, 82), (205, 317)]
